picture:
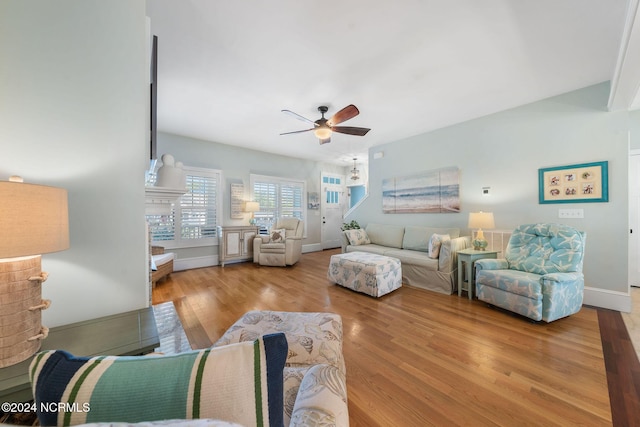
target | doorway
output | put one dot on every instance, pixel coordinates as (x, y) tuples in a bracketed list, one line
[(634, 218), (332, 207)]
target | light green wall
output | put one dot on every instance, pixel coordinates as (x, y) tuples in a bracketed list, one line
[(237, 164), (73, 109), (504, 151)]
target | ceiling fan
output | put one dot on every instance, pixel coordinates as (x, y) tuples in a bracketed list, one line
[(323, 128)]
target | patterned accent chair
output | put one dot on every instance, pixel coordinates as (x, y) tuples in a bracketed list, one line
[(541, 275), (282, 252)]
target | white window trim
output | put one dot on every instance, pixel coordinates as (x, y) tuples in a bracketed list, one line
[(282, 180)]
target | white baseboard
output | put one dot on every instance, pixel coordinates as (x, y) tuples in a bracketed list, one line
[(212, 260), (603, 298), (314, 247), (197, 262)]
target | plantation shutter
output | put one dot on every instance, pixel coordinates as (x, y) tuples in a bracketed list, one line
[(162, 227), (194, 217), (277, 197), (198, 208)]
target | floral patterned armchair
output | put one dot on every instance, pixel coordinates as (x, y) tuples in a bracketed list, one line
[(541, 275)]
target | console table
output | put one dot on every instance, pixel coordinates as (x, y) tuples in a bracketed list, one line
[(129, 333), (235, 243)]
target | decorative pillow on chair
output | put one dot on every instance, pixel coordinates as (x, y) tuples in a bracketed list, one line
[(435, 243), (277, 236), (240, 383), (357, 237)]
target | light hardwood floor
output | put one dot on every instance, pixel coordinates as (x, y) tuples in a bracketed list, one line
[(414, 357)]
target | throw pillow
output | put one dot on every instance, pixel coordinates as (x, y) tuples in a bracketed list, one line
[(435, 242), (357, 237), (240, 383), (277, 235)]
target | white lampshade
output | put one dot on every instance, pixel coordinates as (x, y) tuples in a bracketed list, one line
[(251, 206), (481, 220), (34, 219)]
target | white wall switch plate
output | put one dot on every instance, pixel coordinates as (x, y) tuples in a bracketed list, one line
[(571, 213)]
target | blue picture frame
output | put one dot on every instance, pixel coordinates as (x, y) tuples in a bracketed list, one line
[(580, 183)]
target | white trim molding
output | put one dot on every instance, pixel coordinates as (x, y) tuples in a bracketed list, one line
[(603, 298), (195, 262), (314, 247)]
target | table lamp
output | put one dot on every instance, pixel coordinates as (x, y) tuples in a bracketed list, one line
[(252, 207), (34, 220), (480, 220)]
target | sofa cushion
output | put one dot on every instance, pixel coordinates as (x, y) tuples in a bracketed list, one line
[(370, 248), (435, 242), (161, 259), (357, 237), (417, 238), (386, 235), (241, 383)]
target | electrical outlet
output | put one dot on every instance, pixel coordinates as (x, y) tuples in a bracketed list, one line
[(571, 213)]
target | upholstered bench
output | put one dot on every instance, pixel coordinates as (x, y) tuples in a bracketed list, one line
[(371, 274), (161, 264)]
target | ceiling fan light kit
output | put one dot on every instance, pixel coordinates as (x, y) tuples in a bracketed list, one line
[(324, 128)]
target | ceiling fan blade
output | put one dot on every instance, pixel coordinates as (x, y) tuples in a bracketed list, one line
[(348, 112), (297, 131), (324, 141), (297, 116), (350, 130)]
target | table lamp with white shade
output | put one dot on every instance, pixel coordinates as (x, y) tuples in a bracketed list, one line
[(480, 220), (252, 207), (34, 220)]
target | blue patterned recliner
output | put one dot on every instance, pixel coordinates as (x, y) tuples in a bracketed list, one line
[(541, 274)]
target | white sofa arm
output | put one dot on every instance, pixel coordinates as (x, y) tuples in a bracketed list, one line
[(321, 399), (448, 259)]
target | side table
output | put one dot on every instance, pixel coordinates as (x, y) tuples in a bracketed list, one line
[(468, 257)]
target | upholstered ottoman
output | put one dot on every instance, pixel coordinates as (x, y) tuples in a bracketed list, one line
[(371, 274), (313, 338), (315, 369)]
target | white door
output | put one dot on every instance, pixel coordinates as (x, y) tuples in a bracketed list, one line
[(332, 206), (634, 218)]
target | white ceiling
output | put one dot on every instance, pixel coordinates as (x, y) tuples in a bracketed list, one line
[(228, 68)]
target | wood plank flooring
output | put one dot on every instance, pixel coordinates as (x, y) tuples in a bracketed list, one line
[(418, 358)]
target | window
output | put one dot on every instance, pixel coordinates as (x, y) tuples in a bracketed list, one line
[(277, 197), (194, 217)]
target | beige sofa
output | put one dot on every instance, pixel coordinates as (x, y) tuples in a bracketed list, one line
[(410, 245)]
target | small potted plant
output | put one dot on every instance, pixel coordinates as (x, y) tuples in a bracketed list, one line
[(353, 225)]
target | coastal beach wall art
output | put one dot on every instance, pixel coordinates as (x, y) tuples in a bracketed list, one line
[(435, 191)]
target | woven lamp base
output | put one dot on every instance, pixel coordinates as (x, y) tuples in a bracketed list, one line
[(21, 305)]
